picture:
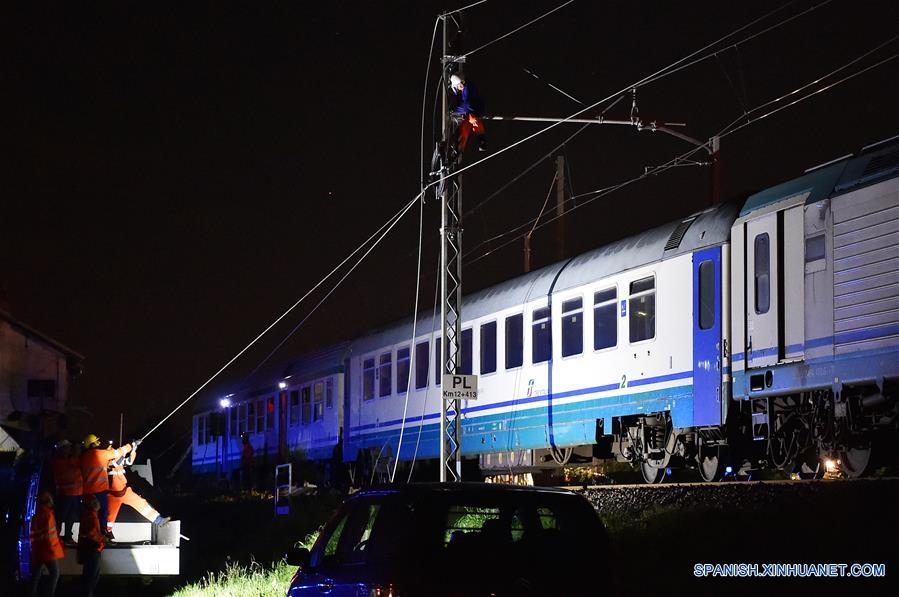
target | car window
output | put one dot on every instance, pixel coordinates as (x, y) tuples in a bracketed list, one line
[(347, 541)]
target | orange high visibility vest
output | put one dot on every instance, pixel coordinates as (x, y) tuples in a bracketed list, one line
[(45, 545), (67, 472), (93, 467), (89, 536)]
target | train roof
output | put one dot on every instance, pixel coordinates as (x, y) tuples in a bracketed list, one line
[(706, 228), (871, 164)]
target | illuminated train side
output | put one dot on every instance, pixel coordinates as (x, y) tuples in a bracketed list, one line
[(761, 335)]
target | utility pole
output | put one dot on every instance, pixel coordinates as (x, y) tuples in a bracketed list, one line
[(450, 280), (560, 205)]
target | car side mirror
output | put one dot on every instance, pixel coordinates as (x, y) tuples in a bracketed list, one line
[(297, 556)]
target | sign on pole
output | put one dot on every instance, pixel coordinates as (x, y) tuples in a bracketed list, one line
[(460, 387)]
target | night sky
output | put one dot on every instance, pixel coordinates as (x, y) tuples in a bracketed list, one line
[(176, 176)]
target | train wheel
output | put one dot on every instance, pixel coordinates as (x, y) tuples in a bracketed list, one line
[(710, 464), (810, 465), (651, 474), (855, 462)]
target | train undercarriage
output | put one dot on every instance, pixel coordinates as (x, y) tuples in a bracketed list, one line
[(851, 429)]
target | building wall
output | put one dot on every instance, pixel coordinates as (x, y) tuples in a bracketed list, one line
[(24, 358)]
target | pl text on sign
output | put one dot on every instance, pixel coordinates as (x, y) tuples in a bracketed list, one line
[(460, 387)]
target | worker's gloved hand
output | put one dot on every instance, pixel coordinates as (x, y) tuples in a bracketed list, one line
[(135, 442)]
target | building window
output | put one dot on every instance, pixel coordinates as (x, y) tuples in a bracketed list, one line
[(642, 309), (307, 405), (438, 362), (329, 392), (294, 408), (368, 379), (605, 319), (318, 402), (706, 295), (488, 348), (572, 327), (402, 370), (514, 341), (260, 416), (384, 373), (421, 365), (541, 335), (465, 356), (762, 273)]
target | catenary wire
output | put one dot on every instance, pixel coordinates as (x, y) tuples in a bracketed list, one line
[(596, 194), (390, 222), (516, 30)]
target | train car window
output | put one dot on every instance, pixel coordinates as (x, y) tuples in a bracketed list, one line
[(260, 416), (368, 379), (572, 327), (605, 318), (488, 348), (251, 417), (438, 364), (318, 401), (814, 248), (421, 365), (294, 408), (465, 364), (385, 370), (514, 341), (200, 428), (642, 309), (706, 295), (232, 418), (329, 392), (402, 370), (762, 273), (307, 405), (270, 414), (541, 335)]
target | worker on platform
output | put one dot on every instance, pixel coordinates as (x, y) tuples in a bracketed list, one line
[(67, 475), (467, 115), (91, 543), (95, 462), (120, 492), (246, 462), (46, 550)]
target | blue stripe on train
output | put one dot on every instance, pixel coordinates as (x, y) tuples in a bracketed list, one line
[(573, 423)]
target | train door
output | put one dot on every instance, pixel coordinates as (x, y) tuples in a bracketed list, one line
[(762, 290), (707, 337)]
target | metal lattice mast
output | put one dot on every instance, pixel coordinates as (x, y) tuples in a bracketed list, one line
[(450, 283)]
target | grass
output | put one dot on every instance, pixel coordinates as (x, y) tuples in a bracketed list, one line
[(254, 579)]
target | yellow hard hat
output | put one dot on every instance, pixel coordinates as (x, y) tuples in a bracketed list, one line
[(90, 439)]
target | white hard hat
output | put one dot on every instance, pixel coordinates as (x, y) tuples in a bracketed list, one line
[(454, 82)]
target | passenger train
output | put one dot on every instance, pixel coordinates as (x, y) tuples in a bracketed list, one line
[(760, 335)]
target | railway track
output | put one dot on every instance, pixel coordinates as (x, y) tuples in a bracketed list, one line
[(761, 482)]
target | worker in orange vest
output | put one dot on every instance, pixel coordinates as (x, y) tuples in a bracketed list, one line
[(122, 493), (90, 543), (67, 474), (46, 549), (95, 462)]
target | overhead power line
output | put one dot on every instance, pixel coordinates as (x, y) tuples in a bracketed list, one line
[(516, 30)]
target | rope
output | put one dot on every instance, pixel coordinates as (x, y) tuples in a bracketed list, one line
[(390, 222)]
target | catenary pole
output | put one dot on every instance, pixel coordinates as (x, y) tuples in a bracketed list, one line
[(450, 280)]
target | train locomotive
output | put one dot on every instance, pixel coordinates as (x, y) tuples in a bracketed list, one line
[(758, 335)]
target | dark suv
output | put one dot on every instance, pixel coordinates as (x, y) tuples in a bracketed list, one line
[(457, 539)]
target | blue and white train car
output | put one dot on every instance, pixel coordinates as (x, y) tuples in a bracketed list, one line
[(815, 312), (294, 413), (601, 345)]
